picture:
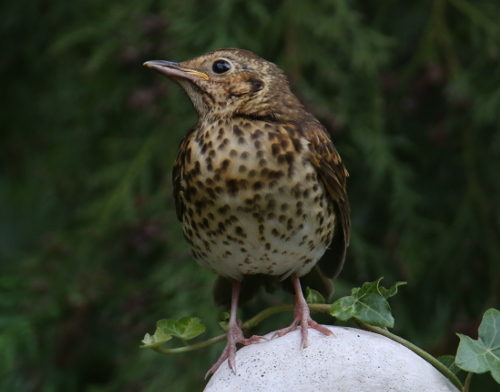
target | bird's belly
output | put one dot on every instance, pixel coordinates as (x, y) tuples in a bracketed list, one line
[(276, 235), (273, 218)]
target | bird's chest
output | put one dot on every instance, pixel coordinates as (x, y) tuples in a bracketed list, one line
[(253, 202)]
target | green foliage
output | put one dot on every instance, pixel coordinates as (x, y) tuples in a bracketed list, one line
[(224, 322), (186, 328), (314, 297), (367, 304), (91, 253), (449, 362), (482, 355)]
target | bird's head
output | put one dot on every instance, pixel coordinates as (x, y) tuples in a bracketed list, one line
[(232, 82)]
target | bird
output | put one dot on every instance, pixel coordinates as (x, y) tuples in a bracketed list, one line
[(258, 186)]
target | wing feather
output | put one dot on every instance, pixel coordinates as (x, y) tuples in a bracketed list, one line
[(332, 172)]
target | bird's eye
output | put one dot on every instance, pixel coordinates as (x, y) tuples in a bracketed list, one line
[(221, 66)]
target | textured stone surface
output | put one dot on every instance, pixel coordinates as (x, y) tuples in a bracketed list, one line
[(352, 360)]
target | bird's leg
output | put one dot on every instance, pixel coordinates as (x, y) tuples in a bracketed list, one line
[(234, 334), (302, 315)]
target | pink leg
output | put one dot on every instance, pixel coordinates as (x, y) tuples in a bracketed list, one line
[(302, 315), (234, 334)]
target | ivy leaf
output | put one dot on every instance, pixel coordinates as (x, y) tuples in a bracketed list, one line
[(186, 328), (156, 340), (392, 291), (367, 304), (482, 355), (314, 297), (449, 362), (224, 320)]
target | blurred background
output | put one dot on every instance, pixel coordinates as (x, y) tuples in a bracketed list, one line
[(91, 253)]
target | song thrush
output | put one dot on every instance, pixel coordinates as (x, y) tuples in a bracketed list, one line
[(258, 185)]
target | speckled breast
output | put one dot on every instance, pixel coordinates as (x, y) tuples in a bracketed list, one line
[(253, 201)]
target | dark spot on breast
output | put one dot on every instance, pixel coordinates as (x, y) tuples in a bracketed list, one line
[(237, 131), (232, 187), (275, 174), (297, 144), (233, 153), (252, 173), (244, 155), (189, 192), (271, 204), (224, 209), (275, 149), (239, 232), (211, 193), (241, 140), (242, 169), (257, 134), (257, 186), (258, 144)]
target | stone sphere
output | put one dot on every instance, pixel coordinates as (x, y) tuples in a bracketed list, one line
[(351, 360)]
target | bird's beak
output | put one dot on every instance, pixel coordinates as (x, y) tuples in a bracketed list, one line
[(171, 69)]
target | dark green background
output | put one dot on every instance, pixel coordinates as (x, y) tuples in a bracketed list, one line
[(91, 254)]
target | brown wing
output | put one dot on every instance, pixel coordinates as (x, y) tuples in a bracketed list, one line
[(333, 174), (177, 172)]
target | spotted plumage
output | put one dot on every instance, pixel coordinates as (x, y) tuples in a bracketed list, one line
[(258, 185)]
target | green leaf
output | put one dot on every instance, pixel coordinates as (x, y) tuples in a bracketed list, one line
[(224, 320), (156, 340), (449, 362), (392, 291), (186, 328), (482, 355), (367, 304), (314, 297)]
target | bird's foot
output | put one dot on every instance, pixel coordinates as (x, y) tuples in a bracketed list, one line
[(302, 317), (234, 335)]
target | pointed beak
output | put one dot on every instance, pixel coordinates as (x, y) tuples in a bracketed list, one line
[(175, 70)]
